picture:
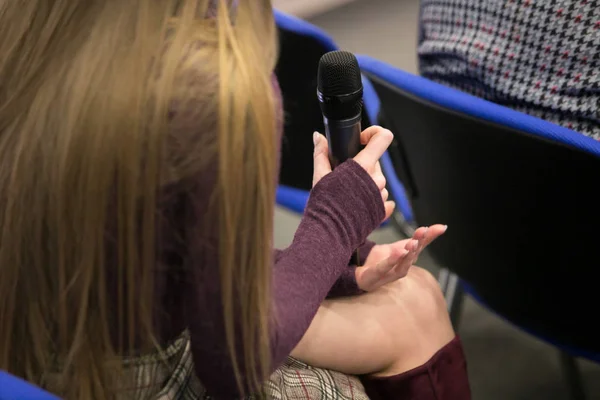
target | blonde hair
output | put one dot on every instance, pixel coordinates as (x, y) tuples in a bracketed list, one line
[(85, 89)]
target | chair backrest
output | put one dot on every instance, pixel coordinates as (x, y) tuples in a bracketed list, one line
[(517, 193), (13, 388)]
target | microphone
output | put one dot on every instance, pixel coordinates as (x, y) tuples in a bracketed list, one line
[(340, 92)]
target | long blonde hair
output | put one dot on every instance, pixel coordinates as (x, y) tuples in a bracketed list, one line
[(85, 89)]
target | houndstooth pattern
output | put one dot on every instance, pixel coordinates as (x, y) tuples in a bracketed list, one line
[(540, 57), (171, 376)]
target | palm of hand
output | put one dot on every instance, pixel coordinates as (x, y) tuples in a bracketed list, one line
[(389, 262)]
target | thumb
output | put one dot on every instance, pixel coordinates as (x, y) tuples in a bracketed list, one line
[(321, 163), (377, 140), (389, 206)]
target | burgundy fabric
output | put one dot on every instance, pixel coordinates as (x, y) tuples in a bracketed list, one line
[(443, 377)]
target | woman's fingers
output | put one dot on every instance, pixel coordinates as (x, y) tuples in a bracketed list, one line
[(420, 233), (378, 176), (433, 232), (385, 195), (396, 267), (371, 278), (421, 238), (385, 266), (426, 235), (321, 163), (400, 269), (379, 180), (389, 207), (377, 140)]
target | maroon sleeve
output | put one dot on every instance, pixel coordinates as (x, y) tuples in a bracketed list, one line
[(364, 250), (346, 284), (343, 209)]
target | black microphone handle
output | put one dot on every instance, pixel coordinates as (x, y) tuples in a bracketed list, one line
[(343, 137), (344, 143)]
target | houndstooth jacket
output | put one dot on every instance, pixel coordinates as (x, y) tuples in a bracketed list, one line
[(540, 57)]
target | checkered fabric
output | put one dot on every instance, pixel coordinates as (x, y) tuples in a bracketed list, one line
[(540, 57), (171, 376)]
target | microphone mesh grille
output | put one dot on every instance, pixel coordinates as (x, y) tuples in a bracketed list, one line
[(339, 74)]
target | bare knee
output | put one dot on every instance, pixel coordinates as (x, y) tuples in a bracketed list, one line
[(428, 290), (421, 292), (422, 305), (391, 330)]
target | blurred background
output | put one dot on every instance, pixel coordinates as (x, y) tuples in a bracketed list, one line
[(504, 363)]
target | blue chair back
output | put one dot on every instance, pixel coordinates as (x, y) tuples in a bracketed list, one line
[(13, 388), (517, 193)]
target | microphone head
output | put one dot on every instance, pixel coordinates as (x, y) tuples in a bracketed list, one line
[(339, 85), (339, 74)]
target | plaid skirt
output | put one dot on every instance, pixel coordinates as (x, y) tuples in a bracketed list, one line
[(170, 376)]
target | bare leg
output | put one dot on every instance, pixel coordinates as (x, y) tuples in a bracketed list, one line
[(392, 330)]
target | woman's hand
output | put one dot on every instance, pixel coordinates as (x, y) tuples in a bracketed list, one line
[(376, 140), (389, 262)]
